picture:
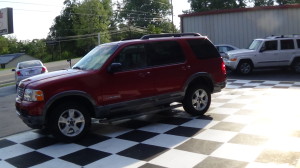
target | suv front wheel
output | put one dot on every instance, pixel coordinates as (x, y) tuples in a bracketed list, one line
[(245, 67), (69, 121), (296, 66), (197, 100)]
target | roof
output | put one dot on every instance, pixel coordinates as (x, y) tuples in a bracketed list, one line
[(4, 59), (236, 10)]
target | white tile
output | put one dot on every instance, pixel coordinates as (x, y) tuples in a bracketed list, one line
[(242, 119), (271, 82), (216, 135), (242, 81), (56, 163), (24, 137), (113, 145), (268, 165), (14, 150), (6, 165), (116, 161), (60, 149), (222, 110), (237, 152), (177, 158), (157, 128), (165, 140), (199, 123), (289, 144)]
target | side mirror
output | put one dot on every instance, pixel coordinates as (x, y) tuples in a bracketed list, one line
[(114, 67), (262, 49)]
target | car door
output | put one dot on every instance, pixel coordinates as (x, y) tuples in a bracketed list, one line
[(286, 52), (268, 54), (133, 81), (168, 66)]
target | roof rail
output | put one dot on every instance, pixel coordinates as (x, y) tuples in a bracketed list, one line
[(283, 36), (169, 35)]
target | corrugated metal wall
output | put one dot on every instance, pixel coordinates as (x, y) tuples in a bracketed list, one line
[(240, 28)]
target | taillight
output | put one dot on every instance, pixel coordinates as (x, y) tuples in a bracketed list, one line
[(223, 68), (43, 70), (19, 73)]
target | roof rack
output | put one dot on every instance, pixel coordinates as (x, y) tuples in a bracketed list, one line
[(169, 35), (283, 36)]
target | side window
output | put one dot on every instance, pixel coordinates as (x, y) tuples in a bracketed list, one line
[(287, 44), (298, 42), (166, 52), (203, 48), (270, 45), (223, 49), (132, 57)]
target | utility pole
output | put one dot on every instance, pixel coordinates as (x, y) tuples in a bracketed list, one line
[(99, 38), (172, 16)]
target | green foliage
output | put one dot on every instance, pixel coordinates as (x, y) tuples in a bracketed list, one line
[(206, 5)]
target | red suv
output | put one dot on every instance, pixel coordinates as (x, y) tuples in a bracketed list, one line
[(124, 79)]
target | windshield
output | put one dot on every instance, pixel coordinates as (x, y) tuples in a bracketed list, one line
[(96, 57), (255, 44)]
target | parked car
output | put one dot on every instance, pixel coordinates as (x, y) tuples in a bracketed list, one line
[(274, 51), (27, 69), (224, 48), (124, 79)]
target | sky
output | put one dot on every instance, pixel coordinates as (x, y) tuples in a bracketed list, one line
[(33, 18)]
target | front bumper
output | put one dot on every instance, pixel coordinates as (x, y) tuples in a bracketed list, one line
[(230, 64), (219, 86), (35, 122)]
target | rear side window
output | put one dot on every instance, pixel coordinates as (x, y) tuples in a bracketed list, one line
[(298, 42), (166, 52), (203, 48), (287, 44)]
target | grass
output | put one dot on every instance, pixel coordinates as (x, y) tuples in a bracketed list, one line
[(7, 84)]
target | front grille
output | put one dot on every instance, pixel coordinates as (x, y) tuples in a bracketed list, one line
[(20, 92)]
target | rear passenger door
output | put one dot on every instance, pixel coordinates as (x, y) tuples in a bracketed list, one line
[(167, 62), (287, 50)]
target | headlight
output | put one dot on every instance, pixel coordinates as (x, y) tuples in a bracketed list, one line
[(33, 95)]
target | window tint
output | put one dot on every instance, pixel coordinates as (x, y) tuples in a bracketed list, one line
[(132, 57), (287, 44), (298, 42), (162, 53), (270, 45), (203, 48)]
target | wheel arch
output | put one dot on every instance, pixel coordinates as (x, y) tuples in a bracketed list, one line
[(200, 77), (246, 60), (297, 58), (72, 96)]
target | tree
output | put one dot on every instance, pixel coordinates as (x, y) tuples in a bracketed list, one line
[(263, 2), (206, 5), (151, 15), (286, 2)]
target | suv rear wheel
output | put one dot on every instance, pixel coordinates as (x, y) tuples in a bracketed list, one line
[(197, 100), (69, 121), (296, 66), (245, 67)]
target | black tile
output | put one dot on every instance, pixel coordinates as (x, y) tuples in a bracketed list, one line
[(92, 139), (248, 139), (213, 162), (257, 81), (134, 124), (148, 165), (175, 120), (183, 131), (137, 135), (40, 142), (228, 126), (143, 152), (5, 143), (199, 146), (277, 156), (85, 156), (29, 159)]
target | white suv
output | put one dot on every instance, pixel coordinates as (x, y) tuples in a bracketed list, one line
[(274, 51)]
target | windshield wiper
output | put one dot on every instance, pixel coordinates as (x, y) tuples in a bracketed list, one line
[(76, 68)]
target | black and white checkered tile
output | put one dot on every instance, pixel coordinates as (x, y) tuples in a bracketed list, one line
[(251, 124)]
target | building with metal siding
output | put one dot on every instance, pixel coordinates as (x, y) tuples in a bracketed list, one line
[(240, 26)]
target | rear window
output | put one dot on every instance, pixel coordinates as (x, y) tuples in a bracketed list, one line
[(287, 44), (203, 48), (28, 64)]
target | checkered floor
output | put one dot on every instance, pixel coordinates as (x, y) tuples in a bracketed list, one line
[(251, 124)]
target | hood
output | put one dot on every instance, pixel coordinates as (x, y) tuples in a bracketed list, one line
[(51, 76), (240, 52)]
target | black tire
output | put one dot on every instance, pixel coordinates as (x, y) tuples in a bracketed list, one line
[(296, 66), (69, 121), (197, 100), (245, 68)]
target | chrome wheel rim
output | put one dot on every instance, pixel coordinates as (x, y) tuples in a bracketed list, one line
[(71, 122), (200, 99), (245, 68)]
